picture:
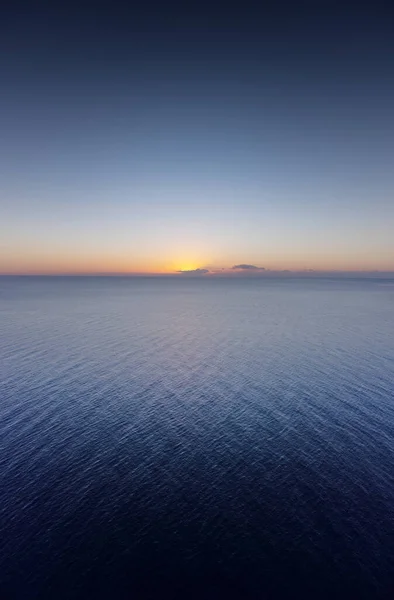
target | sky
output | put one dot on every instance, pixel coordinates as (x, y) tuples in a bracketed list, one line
[(171, 138)]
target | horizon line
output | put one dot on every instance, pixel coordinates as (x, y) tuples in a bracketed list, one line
[(260, 274)]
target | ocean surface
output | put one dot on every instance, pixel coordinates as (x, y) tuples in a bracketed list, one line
[(196, 438)]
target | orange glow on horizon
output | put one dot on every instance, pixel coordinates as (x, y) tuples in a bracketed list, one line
[(31, 262)]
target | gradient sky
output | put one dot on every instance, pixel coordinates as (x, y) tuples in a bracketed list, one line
[(174, 138)]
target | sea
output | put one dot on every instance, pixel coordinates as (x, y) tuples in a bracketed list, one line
[(196, 437)]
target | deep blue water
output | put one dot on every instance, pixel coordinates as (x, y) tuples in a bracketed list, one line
[(196, 438)]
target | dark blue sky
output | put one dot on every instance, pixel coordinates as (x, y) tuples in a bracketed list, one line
[(170, 137)]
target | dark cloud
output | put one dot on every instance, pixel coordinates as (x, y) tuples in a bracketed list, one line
[(194, 272), (247, 268)]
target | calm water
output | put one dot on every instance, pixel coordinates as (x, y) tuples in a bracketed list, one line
[(196, 438)]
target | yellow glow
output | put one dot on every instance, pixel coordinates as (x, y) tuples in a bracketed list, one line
[(187, 267), (185, 264)]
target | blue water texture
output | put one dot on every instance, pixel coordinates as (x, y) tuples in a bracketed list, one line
[(196, 438)]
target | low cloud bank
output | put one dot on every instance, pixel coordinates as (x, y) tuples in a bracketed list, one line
[(247, 268), (194, 272)]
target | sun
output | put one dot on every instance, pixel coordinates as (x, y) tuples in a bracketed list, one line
[(183, 264), (187, 267)]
